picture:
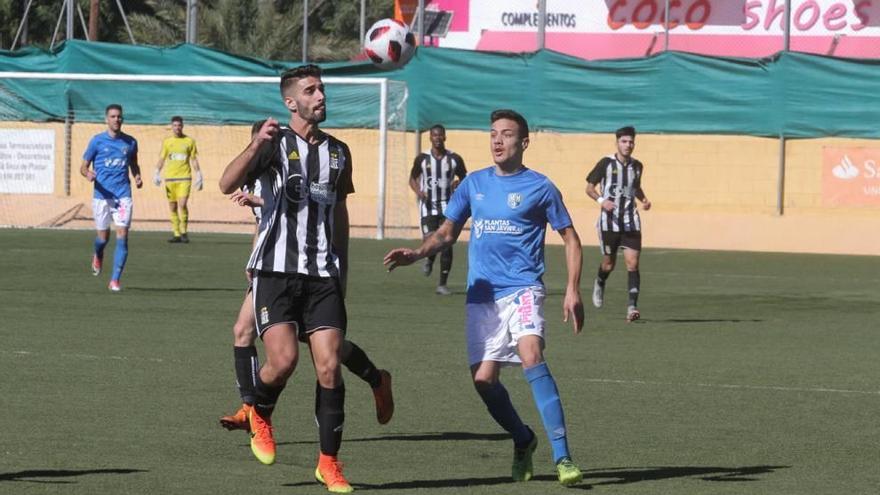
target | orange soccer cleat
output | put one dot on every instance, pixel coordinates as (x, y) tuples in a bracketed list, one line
[(329, 473), (384, 398), (237, 421), (262, 439)]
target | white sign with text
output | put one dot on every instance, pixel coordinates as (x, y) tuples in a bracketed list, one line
[(27, 161)]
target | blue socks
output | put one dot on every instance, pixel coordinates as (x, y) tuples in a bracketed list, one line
[(549, 405), (99, 247), (498, 403), (119, 257)]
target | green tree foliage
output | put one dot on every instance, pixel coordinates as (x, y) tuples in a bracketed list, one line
[(259, 28)]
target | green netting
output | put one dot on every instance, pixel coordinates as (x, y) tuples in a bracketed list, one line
[(794, 94)]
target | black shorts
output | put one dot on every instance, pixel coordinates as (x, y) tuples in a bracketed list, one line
[(308, 302), (610, 242), (431, 223)]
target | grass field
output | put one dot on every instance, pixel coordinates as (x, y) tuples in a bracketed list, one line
[(749, 374)]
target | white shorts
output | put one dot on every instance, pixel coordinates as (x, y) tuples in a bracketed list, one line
[(117, 209), (493, 329)]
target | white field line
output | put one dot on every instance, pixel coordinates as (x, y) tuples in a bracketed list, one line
[(723, 386), (89, 357), (718, 386)]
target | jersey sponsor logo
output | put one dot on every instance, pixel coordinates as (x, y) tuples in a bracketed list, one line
[(514, 200), (294, 190), (177, 156), (479, 196), (621, 191), (322, 193), (114, 162), (334, 160), (501, 226), (435, 182)]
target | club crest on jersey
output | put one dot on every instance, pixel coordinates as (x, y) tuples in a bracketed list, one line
[(477, 227), (294, 155), (514, 200), (334, 160)]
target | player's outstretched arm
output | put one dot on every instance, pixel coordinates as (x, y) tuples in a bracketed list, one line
[(236, 172), (416, 188), (242, 198), (646, 203), (198, 179), (444, 237), (136, 171), (604, 203), (572, 306), (86, 171)]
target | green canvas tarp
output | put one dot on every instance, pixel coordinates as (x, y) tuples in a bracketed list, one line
[(792, 94)]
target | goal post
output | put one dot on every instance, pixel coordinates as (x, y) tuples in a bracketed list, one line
[(375, 104)]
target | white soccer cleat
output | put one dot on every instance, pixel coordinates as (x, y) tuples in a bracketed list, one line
[(96, 265), (598, 294), (114, 286), (442, 290), (632, 314)]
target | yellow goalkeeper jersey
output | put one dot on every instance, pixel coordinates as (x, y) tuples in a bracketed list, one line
[(177, 152)]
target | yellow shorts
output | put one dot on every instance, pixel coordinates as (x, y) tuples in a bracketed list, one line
[(175, 190)]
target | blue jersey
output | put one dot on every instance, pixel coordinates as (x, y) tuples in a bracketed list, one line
[(111, 158), (510, 215)]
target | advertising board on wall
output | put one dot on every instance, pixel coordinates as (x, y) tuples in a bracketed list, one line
[(850, 176), (602, 29), (27, 161)]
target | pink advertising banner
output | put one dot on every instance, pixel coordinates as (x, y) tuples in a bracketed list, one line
[(851, 176), (602, 29)]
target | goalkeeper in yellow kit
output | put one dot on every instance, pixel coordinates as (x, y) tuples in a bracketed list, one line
[(178, 158)]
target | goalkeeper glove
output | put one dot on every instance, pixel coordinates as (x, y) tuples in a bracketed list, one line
[(199, 180), (157, 178)]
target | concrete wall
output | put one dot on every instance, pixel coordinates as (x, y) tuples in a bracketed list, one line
[(708, 192)]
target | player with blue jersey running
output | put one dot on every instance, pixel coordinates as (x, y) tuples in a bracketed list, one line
[(510, 206), (107, 162)]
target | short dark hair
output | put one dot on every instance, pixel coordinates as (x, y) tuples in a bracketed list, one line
[(438, 127), (625, 131), (506, 113), (177, 118), (113, 106), (290, 77), (257, 125)]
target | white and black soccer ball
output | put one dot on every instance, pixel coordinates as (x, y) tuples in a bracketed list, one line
[(389, 44)]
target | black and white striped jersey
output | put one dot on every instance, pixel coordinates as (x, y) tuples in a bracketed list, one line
[(301, 184), (436, 176), (254, 188), (621, 183)]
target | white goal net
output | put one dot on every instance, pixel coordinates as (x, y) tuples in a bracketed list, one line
[(42, 140)]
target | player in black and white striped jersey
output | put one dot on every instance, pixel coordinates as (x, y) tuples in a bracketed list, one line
[(619, 177), (300, 261), (244, 331), (433, 178)]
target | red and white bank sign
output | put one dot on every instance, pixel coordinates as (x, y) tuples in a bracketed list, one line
[(851, 176), (601, 29)]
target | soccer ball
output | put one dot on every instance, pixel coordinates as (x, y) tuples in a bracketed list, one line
[(389, 44)]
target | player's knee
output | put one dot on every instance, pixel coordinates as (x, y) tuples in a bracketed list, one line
[(607, 266), (283, 361), (243, 333), (483, 384), (327, 371)]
